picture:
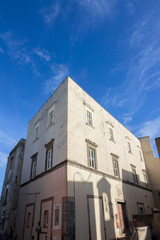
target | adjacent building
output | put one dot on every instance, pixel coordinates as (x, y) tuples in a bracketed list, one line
[(153, 167), (10, 191), (84, 175)]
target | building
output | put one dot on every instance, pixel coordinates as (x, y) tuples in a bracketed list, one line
[(153, 167), (84, 175), (10, 191)]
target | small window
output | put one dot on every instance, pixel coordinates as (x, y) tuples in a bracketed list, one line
[(140, 155), (11, 163), (89, 118), (49, 158), (115, 167), (141, 209), (135, 178), (129, 147), (91, 158), (33, 165), (91, 154), (49, 155), (57, 216), (36, 132), (51, 118), (6, 194), (45, 219), (111, 134), (28, 222), (145, 179)]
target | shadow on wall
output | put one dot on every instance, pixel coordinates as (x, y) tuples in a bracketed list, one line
[(141, 208), (93, 209)]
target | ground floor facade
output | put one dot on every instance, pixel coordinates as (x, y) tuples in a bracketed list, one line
[(75, 202)]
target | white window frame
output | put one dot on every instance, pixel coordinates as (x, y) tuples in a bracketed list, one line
[(33, 170), (129, 147), (115, 167), (92, 160), (140, 155), (111, 133), (145, 179), (55, 224), (36, 130), (51, 118), (89, 118), (135, 176), (49, 159)]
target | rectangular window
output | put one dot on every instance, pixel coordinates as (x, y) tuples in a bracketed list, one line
[(45, 219), (89, 118), (129, 147), (115, 167), (141, 209), (135, 179), (36, 132), (51, 118), (49, 155), (33, 166), (140, 155), (111, 134), (28, 222), (49, 158), (145, 179), (57, 216), (33, 170), (91, 158)]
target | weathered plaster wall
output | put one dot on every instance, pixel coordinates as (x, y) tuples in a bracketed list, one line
[(58, 132), (78, 132), (153, 168), (52, 185), (12, 182), (83, 183)]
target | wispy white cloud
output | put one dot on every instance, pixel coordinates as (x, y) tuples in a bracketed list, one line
[(97, 9), (149, 128), (43, 54), (6, 140), (17, 49), (59, 72), (3, 159), (50, 13), (142, 68)]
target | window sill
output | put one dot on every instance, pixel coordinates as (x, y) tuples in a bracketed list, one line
[(117, 176), (130, 152), (112, 140), (35, 140), (90, 125), (50, 126), (48, 169)]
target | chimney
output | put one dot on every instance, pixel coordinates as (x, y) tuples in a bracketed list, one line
[(158, 145)]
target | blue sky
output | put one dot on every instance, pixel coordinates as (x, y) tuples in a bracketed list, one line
[(111, 48)]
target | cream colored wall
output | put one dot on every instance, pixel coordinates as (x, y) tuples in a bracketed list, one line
[(153, 168), (58, 132), (152, 163), (50, 185), (78, 131), (98, 183), (83, 182)]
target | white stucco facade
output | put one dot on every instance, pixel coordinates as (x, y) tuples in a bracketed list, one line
[(83, 171)]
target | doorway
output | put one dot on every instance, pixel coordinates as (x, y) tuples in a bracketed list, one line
[(124, 226)]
